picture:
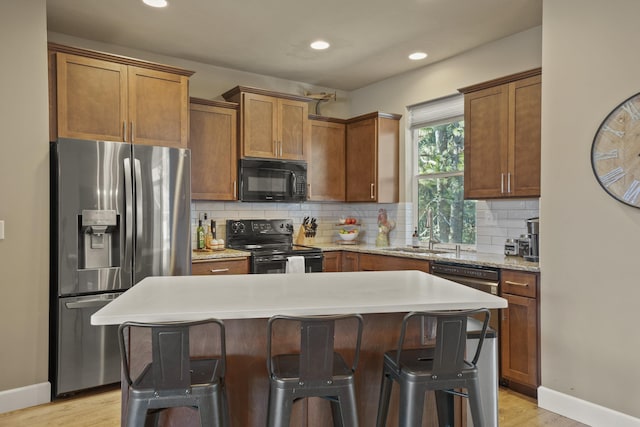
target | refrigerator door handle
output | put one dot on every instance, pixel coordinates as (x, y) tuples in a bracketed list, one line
[(139, 207), (128, 194), (98, 302)]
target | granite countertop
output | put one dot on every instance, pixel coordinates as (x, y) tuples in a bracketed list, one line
[(253, 296), (465, 257)]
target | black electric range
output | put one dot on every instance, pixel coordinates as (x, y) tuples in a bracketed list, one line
[(270, 242)]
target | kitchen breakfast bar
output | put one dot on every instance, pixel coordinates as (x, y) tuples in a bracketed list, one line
[(245, 302)]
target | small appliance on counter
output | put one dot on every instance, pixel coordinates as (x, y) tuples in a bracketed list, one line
[(533, 231), (511, 247)]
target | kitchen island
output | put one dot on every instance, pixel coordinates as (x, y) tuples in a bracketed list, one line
[(245, 302)]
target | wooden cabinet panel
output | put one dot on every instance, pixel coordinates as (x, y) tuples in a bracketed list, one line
[(525, 96), (369, 262), (326, 163), (518, 341), (92, 98), (292, 129), (213, 141), (158, 108), (107, 97), (520, 332), (272, 125), (222, 266), (372, 158), (350, 261), (332, 261), (502, 137)]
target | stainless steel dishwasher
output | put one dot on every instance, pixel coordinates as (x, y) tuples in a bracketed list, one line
[(486, 279)]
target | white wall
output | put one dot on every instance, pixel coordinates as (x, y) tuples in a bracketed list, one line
[(589, 249), (24, 195)]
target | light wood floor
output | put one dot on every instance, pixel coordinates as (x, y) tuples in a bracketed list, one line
[(103, 410)]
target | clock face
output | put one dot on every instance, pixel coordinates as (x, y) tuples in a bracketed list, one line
[(615, 153)]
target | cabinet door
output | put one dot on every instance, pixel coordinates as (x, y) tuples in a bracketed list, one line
[(212, 140), (332, 261), (292, 129), (485, 142), (259, 125), (350, 261), (362, 160), (524, 126), (221, 267), (326, 164), (158, 107), (91, 98), (519, 342)]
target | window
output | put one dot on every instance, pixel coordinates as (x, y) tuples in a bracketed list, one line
[(438, 137)]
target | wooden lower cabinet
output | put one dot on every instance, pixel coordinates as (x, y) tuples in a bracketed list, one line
[(332, 261), (221, 266), (369, 262), (520, 332), (350, 261)]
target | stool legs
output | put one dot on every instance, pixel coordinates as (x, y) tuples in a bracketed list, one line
[(411, 404), (475, 403), (383, 402)]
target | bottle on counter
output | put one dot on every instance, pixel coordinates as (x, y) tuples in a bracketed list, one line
[(200, 234), (415, 240)]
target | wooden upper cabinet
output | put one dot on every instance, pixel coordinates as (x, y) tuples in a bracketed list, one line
[(158, 107), (502, 137), (326, 163), (98, 96), (372, 158), (213, 141), (272, 125)]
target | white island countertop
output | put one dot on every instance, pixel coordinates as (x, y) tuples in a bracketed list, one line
[(252, 296)]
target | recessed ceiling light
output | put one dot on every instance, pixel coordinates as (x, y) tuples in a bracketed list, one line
[(416, 56), (155, 3), (319, 45)]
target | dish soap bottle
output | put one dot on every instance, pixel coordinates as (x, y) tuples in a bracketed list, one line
[(200, 233), (415, 241)]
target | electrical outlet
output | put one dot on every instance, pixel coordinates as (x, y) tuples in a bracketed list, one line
[(2, 230)]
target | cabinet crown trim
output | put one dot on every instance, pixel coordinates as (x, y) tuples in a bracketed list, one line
[(375, 114), (501, 80), (214, 103), (54, 47), (248, 89)]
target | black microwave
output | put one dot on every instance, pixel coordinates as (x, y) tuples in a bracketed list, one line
[(272, 180)]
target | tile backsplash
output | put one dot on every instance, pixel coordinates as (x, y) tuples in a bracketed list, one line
[(496, 220)]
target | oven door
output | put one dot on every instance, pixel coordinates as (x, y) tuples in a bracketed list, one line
[(268, 264)]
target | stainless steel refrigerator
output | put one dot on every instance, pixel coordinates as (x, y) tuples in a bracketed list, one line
[(119, 213)]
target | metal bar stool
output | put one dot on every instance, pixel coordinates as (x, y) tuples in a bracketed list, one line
[(438, 366), (173, 377), (317, 370)]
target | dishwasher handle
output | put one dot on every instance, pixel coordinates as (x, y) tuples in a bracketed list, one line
[(479, 284)]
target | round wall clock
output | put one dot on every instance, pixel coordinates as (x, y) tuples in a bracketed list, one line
[(615, 153)]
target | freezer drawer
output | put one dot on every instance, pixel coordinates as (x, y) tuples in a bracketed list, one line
[(87, 355)]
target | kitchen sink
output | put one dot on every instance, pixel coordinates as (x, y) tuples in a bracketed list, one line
[(412, 250)]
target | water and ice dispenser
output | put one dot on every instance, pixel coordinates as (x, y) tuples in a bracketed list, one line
[(98, 239)]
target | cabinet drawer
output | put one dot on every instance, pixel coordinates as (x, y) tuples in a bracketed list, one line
[(226, 266), (519, 283)]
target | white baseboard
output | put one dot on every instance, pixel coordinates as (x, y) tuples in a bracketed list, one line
[(583, 411), (24, 397)]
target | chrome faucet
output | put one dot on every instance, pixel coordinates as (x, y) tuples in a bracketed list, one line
[(429, 224)]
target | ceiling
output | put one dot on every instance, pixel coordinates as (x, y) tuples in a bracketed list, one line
[(370, 39)]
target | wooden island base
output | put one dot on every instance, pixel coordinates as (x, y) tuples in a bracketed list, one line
[(248, 386)]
